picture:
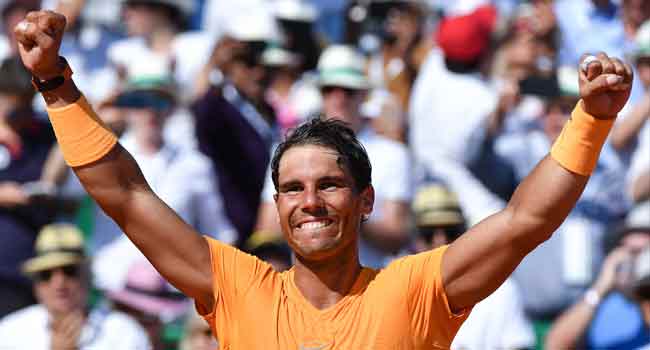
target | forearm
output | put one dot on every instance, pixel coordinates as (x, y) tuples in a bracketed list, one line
[(641, 187), (569, 328), (55, 170), (548, 194), (543, 200)]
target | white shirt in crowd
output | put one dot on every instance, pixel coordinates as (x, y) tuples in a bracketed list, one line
[(104, 330), (133, 52), (4, 47), (391, 179), (497, 322), (448, 114), (185, 180), (641, 157)]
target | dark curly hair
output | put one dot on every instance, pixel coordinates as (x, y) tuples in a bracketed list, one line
[(333, 134)]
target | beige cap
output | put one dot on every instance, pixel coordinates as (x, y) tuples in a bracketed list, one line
[(56, 245), (434, 205)]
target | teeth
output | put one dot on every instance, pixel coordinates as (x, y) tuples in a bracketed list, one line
[(314, 224)]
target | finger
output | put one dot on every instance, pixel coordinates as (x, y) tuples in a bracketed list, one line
[(53, 24), (608, 65), (72, 323), (35, 33), (629, 73), (21, 34), (590, 67), (620, 70), (604, 82)]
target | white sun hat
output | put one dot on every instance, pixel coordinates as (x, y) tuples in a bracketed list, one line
[(256, 25), (185, 6), (342, 65), (295, 10)]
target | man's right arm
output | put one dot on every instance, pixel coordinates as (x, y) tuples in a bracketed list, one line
[(112, 177)]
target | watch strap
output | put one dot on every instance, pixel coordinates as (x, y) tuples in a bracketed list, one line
[(53, 83)]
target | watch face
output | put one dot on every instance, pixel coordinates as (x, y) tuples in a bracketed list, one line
[(48, 85)]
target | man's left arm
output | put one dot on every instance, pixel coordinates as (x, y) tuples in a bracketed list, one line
[(477, 263)]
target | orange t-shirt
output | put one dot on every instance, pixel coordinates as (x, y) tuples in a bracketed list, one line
[(403, 306)]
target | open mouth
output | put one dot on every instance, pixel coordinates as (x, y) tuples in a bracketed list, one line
[(315, 225)]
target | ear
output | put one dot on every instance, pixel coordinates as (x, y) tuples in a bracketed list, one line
[(367, 200), (275, 197)]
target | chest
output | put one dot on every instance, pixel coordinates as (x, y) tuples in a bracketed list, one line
[(361, 323)]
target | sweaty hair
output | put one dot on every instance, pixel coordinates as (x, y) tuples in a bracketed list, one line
[(333, 134)]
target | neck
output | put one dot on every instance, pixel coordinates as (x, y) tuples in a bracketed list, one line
[(324, 283)]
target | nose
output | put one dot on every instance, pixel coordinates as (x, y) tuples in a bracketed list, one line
[(312, 202), (58, 277)]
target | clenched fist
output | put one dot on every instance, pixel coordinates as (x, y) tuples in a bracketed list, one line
[(605, 84), (39, 38)]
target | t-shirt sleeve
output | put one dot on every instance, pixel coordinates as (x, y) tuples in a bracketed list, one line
[(431, 316), (233, 273)]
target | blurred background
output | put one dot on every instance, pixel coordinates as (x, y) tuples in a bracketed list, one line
[(455, 102)]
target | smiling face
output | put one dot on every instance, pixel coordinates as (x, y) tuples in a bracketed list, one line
[(319, 207)]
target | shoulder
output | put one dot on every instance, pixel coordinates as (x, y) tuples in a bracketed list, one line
[(124, 49), (118, 321), (26, 317), (192, 160)]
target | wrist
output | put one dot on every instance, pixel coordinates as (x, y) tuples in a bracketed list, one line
[(592, 297), (56, 71)]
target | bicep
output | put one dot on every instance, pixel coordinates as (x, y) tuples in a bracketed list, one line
[(480, 260), (173, 247)]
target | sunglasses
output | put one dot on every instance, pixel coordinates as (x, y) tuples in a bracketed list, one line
[(327, 89), (71, 271), (451, 232)]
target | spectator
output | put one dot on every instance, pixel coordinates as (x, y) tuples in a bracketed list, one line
[(403, 48), (445, 84), (498, 321), (182, 177), (150, 300), (284, 86), (615, 312), (235, 126), (296, 20), (625, 135), (343, 86), (589, 26), (61, 319), (25, 141), (86, 44), (156, 28), (197, 334)]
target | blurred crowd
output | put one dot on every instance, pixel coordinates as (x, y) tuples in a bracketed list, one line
[(454, 101)]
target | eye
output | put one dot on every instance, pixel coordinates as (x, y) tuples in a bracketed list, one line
[(291, 189), (329, 186)]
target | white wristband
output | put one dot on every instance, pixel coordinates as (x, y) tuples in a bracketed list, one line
[(592, 298)]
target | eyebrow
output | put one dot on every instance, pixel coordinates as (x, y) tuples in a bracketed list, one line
[(339, 179)]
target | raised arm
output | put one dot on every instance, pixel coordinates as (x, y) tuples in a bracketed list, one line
[(479, 261), (108, 172)]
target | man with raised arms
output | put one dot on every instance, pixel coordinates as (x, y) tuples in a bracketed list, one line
[(324, 192)]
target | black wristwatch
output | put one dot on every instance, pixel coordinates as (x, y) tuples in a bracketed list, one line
[(51, 84)]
